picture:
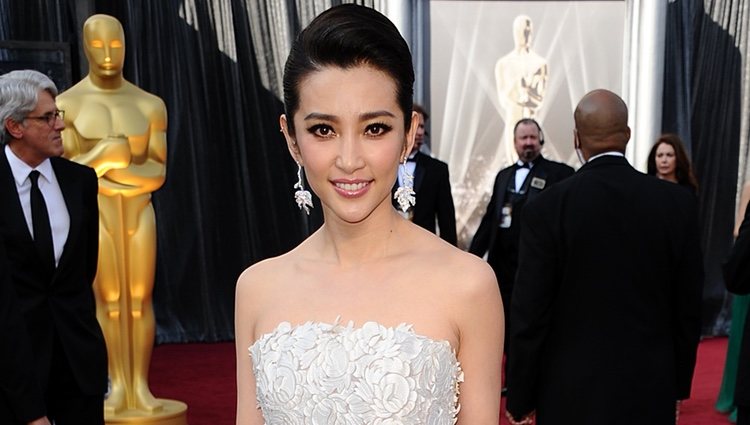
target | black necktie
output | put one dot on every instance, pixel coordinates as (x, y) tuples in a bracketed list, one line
[(40, 222)]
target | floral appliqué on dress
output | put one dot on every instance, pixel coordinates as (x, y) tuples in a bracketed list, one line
[(321, 373)]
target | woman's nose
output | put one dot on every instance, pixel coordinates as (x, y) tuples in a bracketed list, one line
[(350, 155)]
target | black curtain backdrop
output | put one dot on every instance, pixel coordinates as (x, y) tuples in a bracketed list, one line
[(702, 103), (41, 20), (228, 199)]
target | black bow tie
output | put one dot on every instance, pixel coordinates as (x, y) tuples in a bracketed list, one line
[(412, 159), (524, 165)]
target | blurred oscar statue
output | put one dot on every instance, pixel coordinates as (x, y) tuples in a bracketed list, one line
[(521, 77), (120, 131)]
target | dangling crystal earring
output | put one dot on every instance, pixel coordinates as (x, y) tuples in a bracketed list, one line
[(405, 193), (302, 196)]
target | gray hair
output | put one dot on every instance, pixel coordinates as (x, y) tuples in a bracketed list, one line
[(19, 95)]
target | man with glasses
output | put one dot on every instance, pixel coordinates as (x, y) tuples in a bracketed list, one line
[(49, 224)]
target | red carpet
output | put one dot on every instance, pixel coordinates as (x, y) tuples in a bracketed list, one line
[(699, 410), (202, 375)]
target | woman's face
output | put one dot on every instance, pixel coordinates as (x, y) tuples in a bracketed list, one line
[(350, 139), (665, 160)]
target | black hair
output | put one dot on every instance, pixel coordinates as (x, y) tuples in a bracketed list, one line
[(529, 121), (346, 36)]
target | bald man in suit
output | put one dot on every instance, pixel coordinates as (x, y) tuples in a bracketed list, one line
[(606, 309)]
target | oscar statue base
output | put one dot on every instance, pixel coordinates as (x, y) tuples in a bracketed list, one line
[(172, 413)]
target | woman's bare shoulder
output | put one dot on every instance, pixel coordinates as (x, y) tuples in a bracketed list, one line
[(264, 275), (452, 267), (460, 272), (259, 288), (441, 252), (461, 284)]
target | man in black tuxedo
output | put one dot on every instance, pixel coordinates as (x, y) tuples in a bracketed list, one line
[(49, 223), (432, 187), (606, 309), (499, 230), (737, 278)]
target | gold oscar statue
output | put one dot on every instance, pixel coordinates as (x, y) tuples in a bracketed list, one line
[(521, 77), (120, 131)]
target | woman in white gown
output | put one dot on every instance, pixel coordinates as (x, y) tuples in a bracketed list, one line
[(370, 320)]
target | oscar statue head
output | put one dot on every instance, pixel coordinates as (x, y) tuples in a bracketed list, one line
[(104, 44)]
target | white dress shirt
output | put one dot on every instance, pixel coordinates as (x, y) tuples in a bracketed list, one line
[(610, 153), (409, 166), (521, 174), (53, 197)]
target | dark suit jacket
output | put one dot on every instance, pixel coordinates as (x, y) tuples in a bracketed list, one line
[(60, 303), (550, 171), (737, 278), (434, 199), (606, 308), (21, 399)]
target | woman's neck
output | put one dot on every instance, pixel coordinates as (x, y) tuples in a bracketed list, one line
[(671, 177), (372, 239)]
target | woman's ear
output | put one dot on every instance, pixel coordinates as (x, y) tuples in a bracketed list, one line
[(411, 135), (291, 142)]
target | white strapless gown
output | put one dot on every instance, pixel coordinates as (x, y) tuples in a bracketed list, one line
[(326, 374)]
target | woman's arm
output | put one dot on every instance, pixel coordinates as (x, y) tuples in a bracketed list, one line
[(481, 326), (244, 324)]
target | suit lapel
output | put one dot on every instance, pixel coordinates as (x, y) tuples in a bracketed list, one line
[(501, 188), (71, 194), (419, 171)]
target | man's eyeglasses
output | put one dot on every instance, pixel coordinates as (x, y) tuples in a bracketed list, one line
[(50, 118)]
